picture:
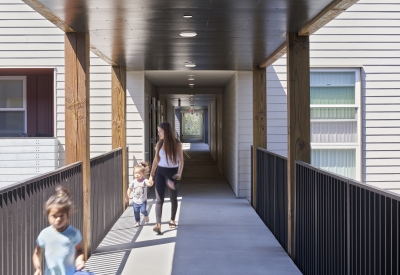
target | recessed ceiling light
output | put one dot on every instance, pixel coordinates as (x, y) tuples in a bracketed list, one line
[(188, 34), (190, 65), (191, 84), (187, 15), (191, 78)]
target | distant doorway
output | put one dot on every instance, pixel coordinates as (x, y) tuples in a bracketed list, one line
[(192, 127)]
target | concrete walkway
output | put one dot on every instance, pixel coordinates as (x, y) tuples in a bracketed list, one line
[(216, 234)]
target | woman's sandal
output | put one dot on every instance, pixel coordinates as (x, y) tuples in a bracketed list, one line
[(172, 224)]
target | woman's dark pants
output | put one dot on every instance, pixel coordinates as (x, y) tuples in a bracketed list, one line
[(162, 174)]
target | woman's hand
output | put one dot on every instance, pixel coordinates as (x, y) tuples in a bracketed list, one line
[(38, 272), (150, 182), (177, 177), (79, 264)]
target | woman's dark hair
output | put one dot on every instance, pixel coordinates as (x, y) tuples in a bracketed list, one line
[(61, 199), (169, 143)]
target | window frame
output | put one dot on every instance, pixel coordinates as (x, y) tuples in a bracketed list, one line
[(183, 112), (24, 100), (357, 104)]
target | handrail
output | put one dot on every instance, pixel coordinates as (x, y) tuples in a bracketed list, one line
[(271, 186), (106, 194), (22, 216), (39, 177), (342, 226), (363, 185), (21, 207), (105, 154), (271, 153)]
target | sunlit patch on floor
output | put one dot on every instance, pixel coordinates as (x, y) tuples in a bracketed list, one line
[(105, 264)]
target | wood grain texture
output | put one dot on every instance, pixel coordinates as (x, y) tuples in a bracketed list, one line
[(48, 14), (77, 120), (118, 86), (259, 119), (281, 51), (298, 112), (325, 16)]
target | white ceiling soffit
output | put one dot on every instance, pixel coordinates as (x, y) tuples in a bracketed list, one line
[(202, 100), (179, 79)]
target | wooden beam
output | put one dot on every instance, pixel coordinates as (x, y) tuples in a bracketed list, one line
[(325, 16), (48, 14), (274, 57), (298, 115), (322, 18), (259, 120), (53, 18), (77, 119), (118, 80)]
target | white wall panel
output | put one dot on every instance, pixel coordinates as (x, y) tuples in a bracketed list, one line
[(24, 158), (366, 36), (135, 117), (230, 133), (31, 41), (245, 131)]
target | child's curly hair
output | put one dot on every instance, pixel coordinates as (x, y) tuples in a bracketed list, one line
[(144, 167), (61, 199)]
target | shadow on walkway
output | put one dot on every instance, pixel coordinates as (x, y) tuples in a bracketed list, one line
[(216, 234)]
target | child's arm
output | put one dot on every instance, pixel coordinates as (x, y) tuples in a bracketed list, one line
[(80, 258), (128, 193), (37, 260)]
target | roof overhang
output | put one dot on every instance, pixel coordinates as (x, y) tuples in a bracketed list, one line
[(231, 35)]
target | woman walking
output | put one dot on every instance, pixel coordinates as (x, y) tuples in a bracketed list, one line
[(167, 166)]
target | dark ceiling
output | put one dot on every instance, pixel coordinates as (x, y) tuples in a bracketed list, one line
[(144, 34)]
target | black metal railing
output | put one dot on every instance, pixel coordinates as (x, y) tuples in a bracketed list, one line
[(343, 226), (22, 215), (106, 194), (271, 198)]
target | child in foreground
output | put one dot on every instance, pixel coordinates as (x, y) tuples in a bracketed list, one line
[(60, 242), (138, 187)]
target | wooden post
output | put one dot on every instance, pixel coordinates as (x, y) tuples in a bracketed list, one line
[(259, 120), (298, 115), (118, 80), (77, 127)]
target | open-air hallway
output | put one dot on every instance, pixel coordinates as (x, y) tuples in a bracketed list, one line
[(216, 234)]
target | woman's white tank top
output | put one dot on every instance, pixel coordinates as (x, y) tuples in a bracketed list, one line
[(163, 160)]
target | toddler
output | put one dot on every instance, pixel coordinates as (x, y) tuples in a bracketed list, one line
[(60, 242), (138, 187)]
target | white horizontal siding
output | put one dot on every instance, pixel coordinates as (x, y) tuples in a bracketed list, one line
[(230, 133), (245, 132), (277, 109), (24, 158), (30, 41), (135, 118), (367, 36)]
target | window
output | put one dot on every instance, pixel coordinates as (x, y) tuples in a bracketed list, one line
[(12, 106), (336, 121), (192, 124)]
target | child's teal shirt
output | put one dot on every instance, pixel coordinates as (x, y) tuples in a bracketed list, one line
[(59, 249)]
